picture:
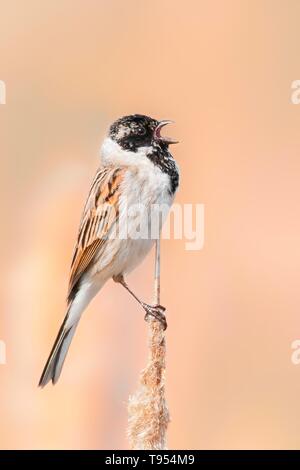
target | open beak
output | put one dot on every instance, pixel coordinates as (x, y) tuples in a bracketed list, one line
[(158, 136)]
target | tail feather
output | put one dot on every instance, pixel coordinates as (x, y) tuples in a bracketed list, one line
[(55, 362), (56, 359)]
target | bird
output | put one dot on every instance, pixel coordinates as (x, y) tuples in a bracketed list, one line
[(137, 171)]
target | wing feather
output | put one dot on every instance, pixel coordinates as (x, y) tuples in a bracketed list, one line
[(100, 213)]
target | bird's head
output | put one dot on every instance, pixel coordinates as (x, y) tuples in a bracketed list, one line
[(136, 131)]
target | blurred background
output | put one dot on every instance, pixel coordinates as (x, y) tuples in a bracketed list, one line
[(222, 69)]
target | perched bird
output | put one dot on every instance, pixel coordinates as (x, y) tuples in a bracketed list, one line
[(137, 172)]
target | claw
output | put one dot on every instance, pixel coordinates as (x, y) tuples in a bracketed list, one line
[(157, 312)]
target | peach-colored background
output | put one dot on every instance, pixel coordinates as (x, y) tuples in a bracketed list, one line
[(223, 71)]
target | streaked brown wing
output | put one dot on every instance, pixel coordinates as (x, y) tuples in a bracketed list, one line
[(100, 213)]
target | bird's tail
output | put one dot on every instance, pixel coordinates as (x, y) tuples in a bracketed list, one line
[(55, 362), (56, 359)]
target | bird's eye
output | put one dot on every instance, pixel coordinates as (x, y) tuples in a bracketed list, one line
[(141, 131)]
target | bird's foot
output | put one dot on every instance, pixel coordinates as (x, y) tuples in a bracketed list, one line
[(157, 312)]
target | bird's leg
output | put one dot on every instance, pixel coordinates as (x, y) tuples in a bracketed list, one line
[(156, 311)]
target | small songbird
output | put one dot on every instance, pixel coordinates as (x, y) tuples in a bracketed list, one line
[(136, 169)]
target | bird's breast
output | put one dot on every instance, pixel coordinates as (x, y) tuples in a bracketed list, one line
[(144, 205)]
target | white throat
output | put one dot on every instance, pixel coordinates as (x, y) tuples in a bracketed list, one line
[(111, 153)]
